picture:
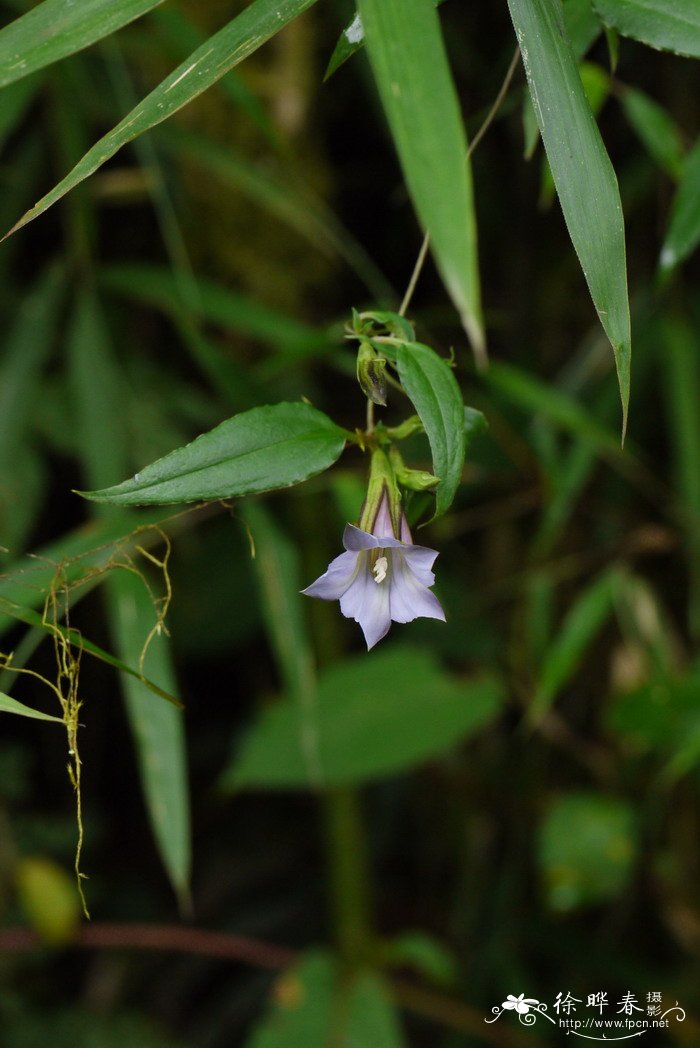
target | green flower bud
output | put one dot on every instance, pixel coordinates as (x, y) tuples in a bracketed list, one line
[(370, 374)]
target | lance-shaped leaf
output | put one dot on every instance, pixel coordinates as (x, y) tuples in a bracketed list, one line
[(8, 705), (57, 28), (673, 25), (583, 174), (433, 389), (683, 234), (258, 450), (408, 58), (256, 24)]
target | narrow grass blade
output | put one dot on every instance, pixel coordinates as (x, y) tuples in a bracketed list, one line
[(407, 55), (583, 175), (8, 705), (683, 235), (158, 728), (256, 24), (57, 28)]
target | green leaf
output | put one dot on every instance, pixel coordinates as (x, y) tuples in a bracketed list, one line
[(74, 637), (350, 41), (521, 388), (56, 28), (425, 956), (432, 387), (8, 705), (683, 235), (656, 129), (258, 450), (314, 1007), (277, 567), (672, 25), (158, 728), (582, 26), (581, 624), (256, 24), (581, 168), (159, 287), (586, 848), (407, 55), (283, 196), (376, 716), (16, 100)]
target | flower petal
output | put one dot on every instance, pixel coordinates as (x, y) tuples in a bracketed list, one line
[(383, 526), (367, 602), (410, 598), (335, 580), (420, 560), (354, 539)]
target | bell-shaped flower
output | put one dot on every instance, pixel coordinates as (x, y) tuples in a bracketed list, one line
[(382, 577)]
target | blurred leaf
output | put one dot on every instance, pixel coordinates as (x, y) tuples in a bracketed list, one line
[(407, 55), (377, 715), (8, 705), (220, 53), (586, 847), (681, 373), (159, 287), (683, 234), (49, 898), (277, 568), (658, 716), (673, 25), (258, 450), (579, 628), (424, 955), (158, 728), (584, 177), (432, 387), (16, 100), (56, 28), (474, 424), (532, 395), (657, 130), (280, 195), (314, 1007), (26, 348), (99, 396)]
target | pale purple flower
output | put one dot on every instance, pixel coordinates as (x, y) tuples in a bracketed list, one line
[(380, 578)]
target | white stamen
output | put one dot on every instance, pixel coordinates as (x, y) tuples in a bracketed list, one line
[(380, 569)]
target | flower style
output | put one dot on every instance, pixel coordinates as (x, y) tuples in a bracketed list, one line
[(520, 1004), (382, 576)]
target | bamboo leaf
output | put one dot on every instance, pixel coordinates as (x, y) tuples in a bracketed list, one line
[(672, 25), (583, 175), (683, 234), (8, 705), (256, 24), (407, 55), (158, 728), (57, 28)]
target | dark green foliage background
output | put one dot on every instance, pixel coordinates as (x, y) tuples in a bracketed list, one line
[(556, 845)]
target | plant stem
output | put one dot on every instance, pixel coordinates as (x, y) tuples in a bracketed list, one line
[(349, 875)]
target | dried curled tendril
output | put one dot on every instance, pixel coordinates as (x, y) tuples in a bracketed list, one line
[(68, 641)]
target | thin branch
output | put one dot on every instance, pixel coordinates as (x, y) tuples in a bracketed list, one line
[(490, 116)]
